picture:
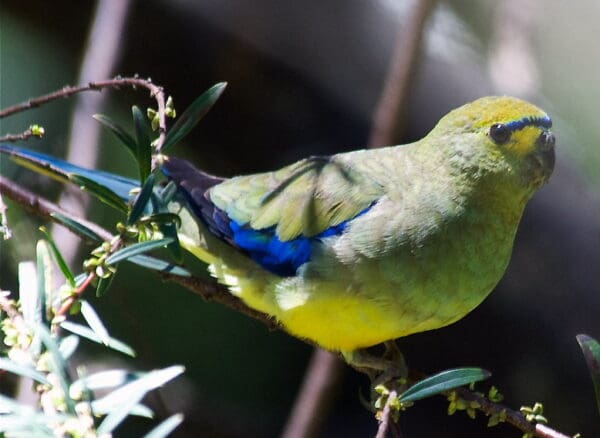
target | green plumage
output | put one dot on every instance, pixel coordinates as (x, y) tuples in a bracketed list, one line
[(438, 221)]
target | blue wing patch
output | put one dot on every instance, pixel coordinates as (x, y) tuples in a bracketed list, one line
[(281, 258)]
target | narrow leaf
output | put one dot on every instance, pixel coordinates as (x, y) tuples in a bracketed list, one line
[(166, 427), (116, 416), (147, 382), (103, 284), (86, 332), (158, 265), (68, 345), (60, 170), (170, 230), (141, 201), (139, 410), (144, 150), (444, 381), (168, 192), (135, 249), (119, 132), (60, 261), (192, 115), (76, 227), (101, 192), (94, 321), (120, 402), (22, 370), (103, 380), (591, 353)]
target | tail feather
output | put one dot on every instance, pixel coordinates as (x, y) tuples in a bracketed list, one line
[(194, 184)]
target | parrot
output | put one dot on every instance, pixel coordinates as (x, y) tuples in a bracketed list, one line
[(358, 248)]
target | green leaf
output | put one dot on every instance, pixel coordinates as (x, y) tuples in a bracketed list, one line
[(76, 227), (120, 133), (591, 352), (165, 427), (60, 261), (159, 265), (170, 230), (168, 192), (101, 192), (135, 249), (144, 150), (444, 381), (22, 370), (192, 115), (141, 201), (86, 332), (94, 321)]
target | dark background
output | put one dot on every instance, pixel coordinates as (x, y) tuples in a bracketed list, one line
[(304, 78)]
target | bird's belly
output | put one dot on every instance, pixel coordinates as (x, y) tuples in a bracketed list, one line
[(389, 297)]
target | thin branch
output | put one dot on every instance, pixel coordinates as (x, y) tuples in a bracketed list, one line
[(315, 396), (387, 116), (514, 418), (34, 203), (215, 292), (156, 92), (386, 415), (73, 298), (311, 404), (25, 135)]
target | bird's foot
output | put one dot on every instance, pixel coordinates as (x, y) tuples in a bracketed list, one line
[(380, 369)]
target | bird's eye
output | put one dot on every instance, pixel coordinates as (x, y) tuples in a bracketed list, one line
[(500, 133)]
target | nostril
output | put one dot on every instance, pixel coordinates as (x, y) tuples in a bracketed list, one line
[(546, 140)]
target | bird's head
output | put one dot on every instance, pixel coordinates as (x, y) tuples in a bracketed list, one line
[(501, 135)]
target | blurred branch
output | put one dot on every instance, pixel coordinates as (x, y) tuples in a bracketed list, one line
[(102, 53), (512, 63), (323, 374), (315, 396), (388, 120), (44, 208)]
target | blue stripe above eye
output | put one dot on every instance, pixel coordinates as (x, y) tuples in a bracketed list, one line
[(543, 121), (279, 257)]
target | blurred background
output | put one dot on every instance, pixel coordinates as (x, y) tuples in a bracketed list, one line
[(304, 78)]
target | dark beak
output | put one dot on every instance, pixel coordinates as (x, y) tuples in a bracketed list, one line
[(546, 143)]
